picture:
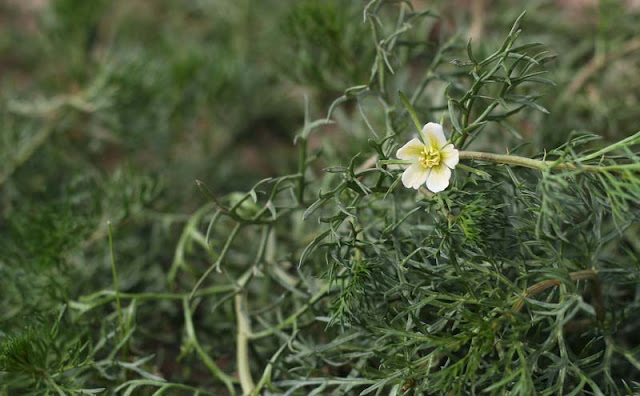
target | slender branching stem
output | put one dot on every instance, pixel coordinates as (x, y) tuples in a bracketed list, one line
[(522, 161), (242, 344), (202, 354), (543, 164), (216, 265), (293, 317)]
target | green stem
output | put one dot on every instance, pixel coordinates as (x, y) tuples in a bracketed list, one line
[(293, 317), (202, 354), (633, 139), (218, 262), (396, 162), (503, 159), (106, 296), (242, 345), (542, 164)]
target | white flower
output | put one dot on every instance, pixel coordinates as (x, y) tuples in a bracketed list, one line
[(432, 160)]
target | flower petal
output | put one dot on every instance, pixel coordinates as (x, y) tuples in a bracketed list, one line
[(433, 135), (415, 176), (411, 150), (450, 156), (439, 178)]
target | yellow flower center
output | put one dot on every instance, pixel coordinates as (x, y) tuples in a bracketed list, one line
[(429, 157)]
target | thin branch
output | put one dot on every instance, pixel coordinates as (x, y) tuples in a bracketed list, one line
[(242, 345), (294, 316), (202, 354), (218, 262), (544, 164)]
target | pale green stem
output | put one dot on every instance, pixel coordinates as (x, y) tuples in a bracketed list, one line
[(541, 165), (505, 159), (218, 262), (293, 317), (206, 359), (106, 296), (242, 345), (633, 139)]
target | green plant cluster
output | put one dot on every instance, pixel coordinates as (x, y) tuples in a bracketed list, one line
[(327, 276)]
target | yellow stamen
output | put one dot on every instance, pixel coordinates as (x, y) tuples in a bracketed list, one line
[(429, 157)]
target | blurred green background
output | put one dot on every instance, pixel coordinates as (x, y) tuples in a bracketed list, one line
[(110, 110)]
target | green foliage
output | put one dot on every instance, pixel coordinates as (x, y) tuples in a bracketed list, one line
[(46, 356), (328, 48), (327, 276), (39, 235)]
